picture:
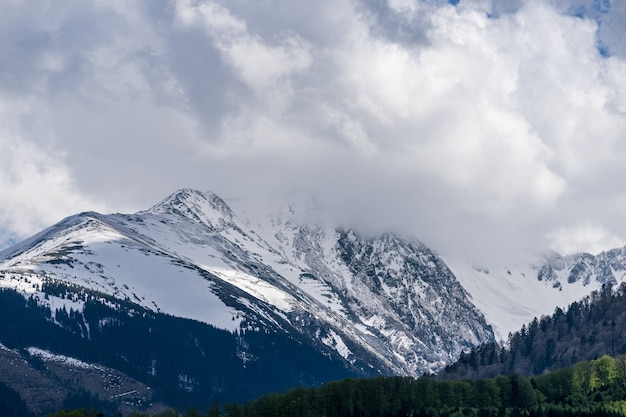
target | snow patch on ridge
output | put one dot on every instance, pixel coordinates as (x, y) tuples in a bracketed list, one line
[(65, 360), (29, 283), (256, 287), (92, 254), (510, 297)]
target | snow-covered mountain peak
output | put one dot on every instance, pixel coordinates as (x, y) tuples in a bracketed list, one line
[(510, 295), (202, 207), (381, 301)]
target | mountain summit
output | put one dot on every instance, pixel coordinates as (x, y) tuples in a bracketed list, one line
[(205, 208), (382, 302)]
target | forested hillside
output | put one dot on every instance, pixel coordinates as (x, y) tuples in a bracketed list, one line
[(587, 330), (181, 361), (11, 404), (592, 388), (496, 381)]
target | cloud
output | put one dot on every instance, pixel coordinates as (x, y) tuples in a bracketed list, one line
[(476, 127), (37, 189), (583, 238)]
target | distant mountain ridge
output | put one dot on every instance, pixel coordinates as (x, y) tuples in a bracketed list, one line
[(370, 305), (512, 295)]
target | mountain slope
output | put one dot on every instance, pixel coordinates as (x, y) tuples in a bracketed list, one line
[(382, 304), (512, 295), (112, 354)]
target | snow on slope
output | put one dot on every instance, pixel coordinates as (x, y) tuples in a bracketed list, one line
[(158, 258), (511, 296), (51, 357), (91, 254)]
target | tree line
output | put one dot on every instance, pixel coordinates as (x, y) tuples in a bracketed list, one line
[(591, 388), (587, 330), (161, 350)]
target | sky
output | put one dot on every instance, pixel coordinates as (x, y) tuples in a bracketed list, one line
[(483, 128)]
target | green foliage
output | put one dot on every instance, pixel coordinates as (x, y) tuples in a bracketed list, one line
[(603, 373), (581, 378), (593, 388)]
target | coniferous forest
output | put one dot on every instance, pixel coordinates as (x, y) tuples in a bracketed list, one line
[(569, 364), (183, 361), (563, 365), (587, 330), (592, 388)]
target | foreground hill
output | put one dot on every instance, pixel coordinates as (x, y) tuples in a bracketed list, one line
[(136, 359), (592, 388)]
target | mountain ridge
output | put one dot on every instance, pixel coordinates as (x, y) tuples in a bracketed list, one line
[(305, 271)]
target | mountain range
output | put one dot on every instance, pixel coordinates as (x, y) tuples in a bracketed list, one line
[(353, 304)]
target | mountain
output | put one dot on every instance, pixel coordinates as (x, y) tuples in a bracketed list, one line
[(392, 300), (359, 305), (191, 288), (512, 295), (116, 356)]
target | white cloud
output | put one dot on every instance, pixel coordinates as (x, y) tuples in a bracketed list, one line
[(491, 124), (583, 238), (261, 65), (454, 103), (37, 189)]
